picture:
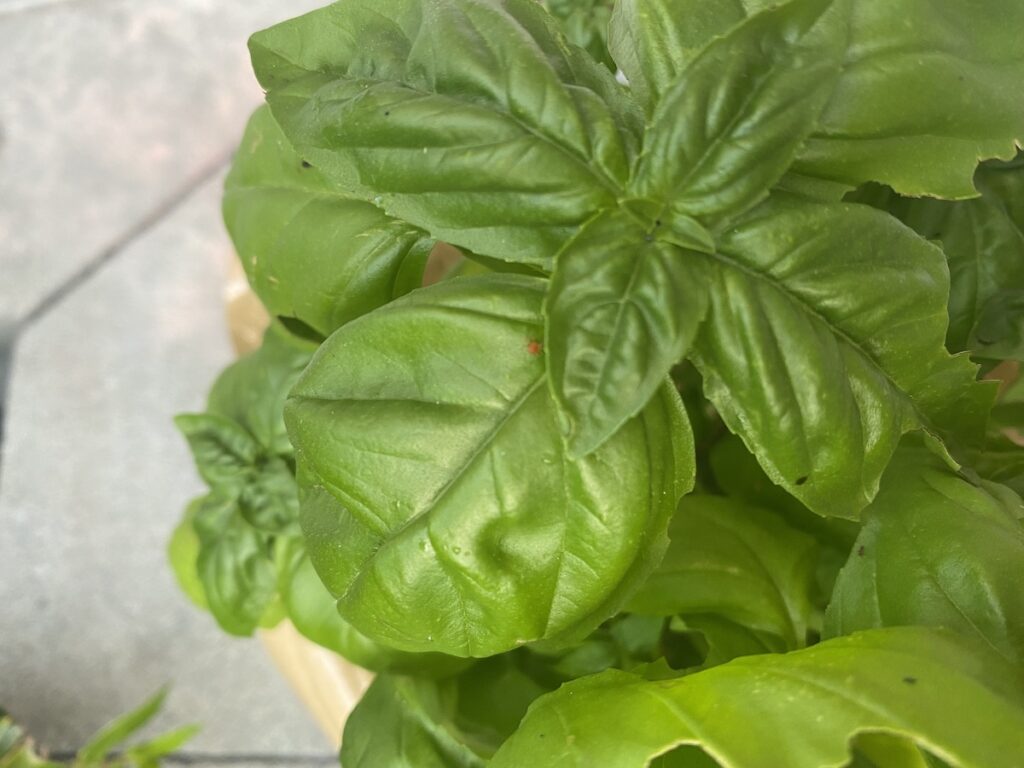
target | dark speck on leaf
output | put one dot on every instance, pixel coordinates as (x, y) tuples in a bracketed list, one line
[(800, 480), (386, 113), (860, 551), (909, 680), (306, 164), (657, 223)]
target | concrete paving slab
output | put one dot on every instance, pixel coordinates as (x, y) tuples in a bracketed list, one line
[(109, 107), (93, 478)]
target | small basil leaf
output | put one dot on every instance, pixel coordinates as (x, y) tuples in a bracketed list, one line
[(736, 561), (652, 40), (235, 566), (622, 309), (224, 452), (935, 550), (469, 119), (824, 344), (999, 332), (800, 708), (251, 391), (585, 23), (730, 125), (311, 252), (493, 537), (270, 500)]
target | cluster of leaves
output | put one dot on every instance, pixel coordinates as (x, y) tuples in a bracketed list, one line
[(17, 749), (689, 461)]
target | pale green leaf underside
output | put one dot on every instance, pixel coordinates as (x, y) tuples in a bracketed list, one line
[(470, 119), (311, 252), (935, 550), (799, 709), (824, 344), (736, 561), (440, 504), (622, 308)]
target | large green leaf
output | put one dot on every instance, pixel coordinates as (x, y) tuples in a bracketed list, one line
[(729, 126), (309, 251), (824, 344), (439, 502), (623, 307), (736, 561), (927, 89), (935, 550), (799, 709), (652, 40), (469, 118), (313, 611), (983, 240)]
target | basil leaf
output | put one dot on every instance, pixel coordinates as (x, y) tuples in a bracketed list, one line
[(235, 566), (585, 23), (270, 500), (736, 561), (652, 40), (469, 119), (730, 125), (404, 721), (800, 708), (983, 240), (223, 451), (311, 252), (312, 610), (824, 344), (935, 550), (622, 309), (183, 554), (926, 91), (722, 640), (493, 536), (252, 390)]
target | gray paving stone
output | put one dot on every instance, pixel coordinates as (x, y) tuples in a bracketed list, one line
[(107, 108), (93, 478)]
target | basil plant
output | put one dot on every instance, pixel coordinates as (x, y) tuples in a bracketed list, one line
[(703, 450)]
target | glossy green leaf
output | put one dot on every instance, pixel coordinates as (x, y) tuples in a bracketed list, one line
[(311, 252), (927, 89), (983, 240), (797, 709), (652, 40), (736, 561), (238, 575), (935, 550), (312, 609), (622, 309), (469, 118), (223, 451), (439, 502), (824, 344), (402, 722), (729, 126)]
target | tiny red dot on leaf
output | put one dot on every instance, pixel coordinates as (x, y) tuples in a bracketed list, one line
[(534, 347)]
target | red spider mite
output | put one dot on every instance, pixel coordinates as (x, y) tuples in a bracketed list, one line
[(534, 347)]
